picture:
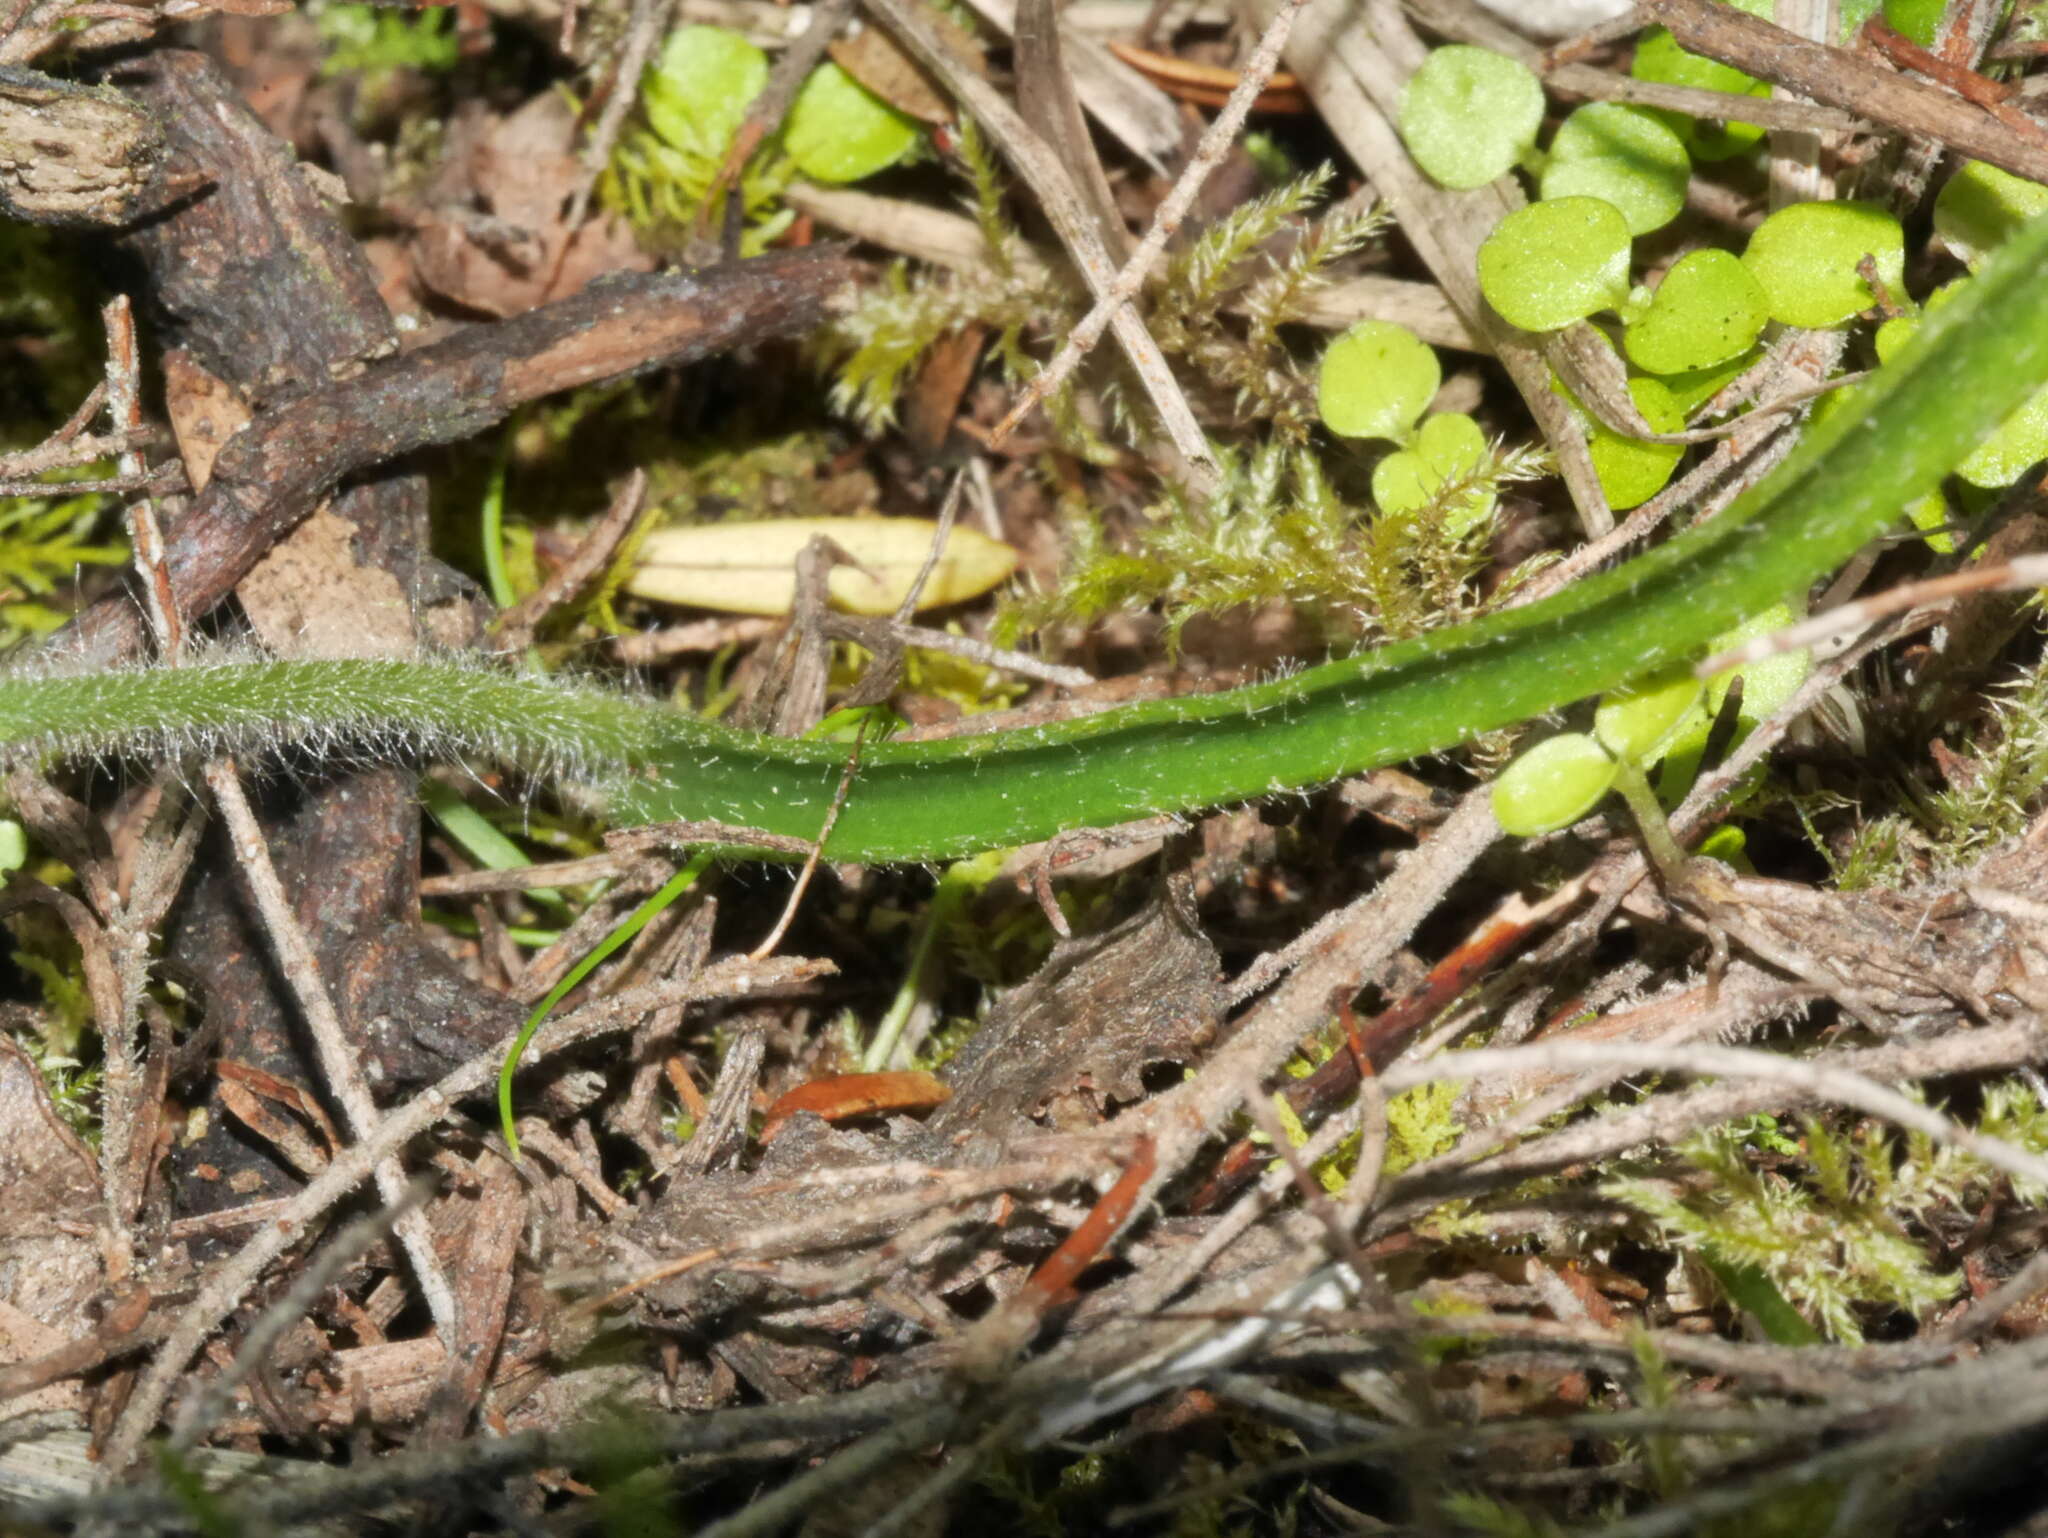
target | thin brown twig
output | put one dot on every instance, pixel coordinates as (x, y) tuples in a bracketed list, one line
[(1839, 78), (1070, 216), (513, 629), (1166, 222), (62, 449), (768, 945), (224, 1287), (124, 406), (295, 958)]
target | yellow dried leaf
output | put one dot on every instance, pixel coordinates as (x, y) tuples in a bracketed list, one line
[(750, 568)]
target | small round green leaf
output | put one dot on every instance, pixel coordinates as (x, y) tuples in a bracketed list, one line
[(1631, 471), (1555, 262), (1636, 721), (1552, 785), (1625, 155), (1893, 335), (1375, 380), (1983, 207), (1916, 19), (840, 131), (1707, 310), (1401, 482), (13, 845), (1454, 448), (1659, 58), (1805, 257), (698, 92), (1452, 443), (1449, 447), (1468, 114)]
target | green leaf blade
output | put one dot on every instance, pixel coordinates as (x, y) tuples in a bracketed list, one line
[(1468, 114), (1556, 262)]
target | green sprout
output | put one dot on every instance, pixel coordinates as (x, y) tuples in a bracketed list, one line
[(1632, 470), (1555, 262), (1638, 722), (1766, 686), (1553, 784), (1664, 717), (1469, 114), (697, 94), (695, 98), (1375, 380), (840, 131)]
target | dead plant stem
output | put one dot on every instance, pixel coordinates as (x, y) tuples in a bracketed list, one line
[(1215, 143)]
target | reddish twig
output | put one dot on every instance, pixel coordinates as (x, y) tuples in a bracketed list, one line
[(1839, 78), (1060, 1270)]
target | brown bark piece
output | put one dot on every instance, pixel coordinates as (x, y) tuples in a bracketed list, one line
[(1083, 1030), (273, 473), (251, 270), (72, 154), (312, 597)]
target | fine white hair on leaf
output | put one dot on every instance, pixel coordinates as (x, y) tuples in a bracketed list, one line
[(229, 701)]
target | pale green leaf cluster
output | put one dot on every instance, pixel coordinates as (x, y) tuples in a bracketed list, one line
[(695, 99)]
